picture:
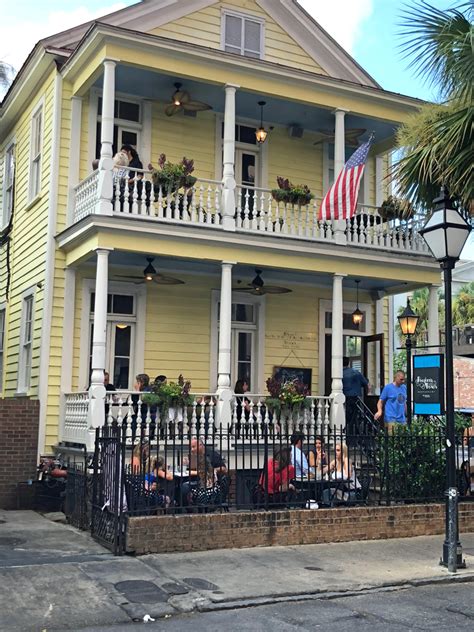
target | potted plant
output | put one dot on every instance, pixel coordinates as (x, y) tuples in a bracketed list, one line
[(290, 193), (172, 176), (395, 208), (169, 395), (286, 397)]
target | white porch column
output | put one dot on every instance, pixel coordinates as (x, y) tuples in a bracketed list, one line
[(74, 155), (97, 388), (339, 225), (338, 417), (228, 172), (224, 389), (105, 182), (379, 195), (433, 316)]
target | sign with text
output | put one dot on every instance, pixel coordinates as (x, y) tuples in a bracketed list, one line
[(428, 384)]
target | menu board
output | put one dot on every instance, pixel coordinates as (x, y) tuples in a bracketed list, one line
[(428, 384)]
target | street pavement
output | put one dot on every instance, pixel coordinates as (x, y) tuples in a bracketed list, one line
[(54, 577)]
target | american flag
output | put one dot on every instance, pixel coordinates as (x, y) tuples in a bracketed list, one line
[(341, 200)]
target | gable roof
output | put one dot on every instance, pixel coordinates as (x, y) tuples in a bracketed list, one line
[(289, 14)]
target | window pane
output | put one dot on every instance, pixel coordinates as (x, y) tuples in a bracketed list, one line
[(245, 347), (2, 331), (122, 304), (252, 36), (247, 135), (242, 313), (121, 372), (233, 31), (122, 340), (129, 138), (248, 169), (129, 111)]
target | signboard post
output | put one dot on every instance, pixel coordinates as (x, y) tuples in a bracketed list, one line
[(428, 384)]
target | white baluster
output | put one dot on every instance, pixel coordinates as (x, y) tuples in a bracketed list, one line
[(246, 223), (201, 205), (239, 208), (193, 206), (217, 204)]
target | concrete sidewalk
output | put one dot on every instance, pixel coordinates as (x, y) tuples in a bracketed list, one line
[(56, 577)]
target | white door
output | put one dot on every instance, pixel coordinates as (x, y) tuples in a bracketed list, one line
[(242, 356), (120, 346)]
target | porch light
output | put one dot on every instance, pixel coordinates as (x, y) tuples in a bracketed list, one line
[(121, 325), (261, 133), (149, 272), (357, 315), (408, 320)]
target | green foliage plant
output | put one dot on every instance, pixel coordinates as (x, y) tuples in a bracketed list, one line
[(173, 176), (289, 193)]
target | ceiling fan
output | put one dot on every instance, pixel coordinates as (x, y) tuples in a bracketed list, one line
[(258, 288), (181, 100), (352, 136), (151, 275)]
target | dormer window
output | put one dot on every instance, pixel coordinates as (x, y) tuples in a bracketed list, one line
[(242, 35)]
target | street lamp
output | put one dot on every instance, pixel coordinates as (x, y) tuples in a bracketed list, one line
[(408, 321), (445, 234)]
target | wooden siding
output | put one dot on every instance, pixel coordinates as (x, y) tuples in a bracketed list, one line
[(204, 28), (28, 244)]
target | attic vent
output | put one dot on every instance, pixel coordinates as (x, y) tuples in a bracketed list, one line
[(295, 131)]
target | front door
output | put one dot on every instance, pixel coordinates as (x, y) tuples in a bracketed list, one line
[(373, 367)]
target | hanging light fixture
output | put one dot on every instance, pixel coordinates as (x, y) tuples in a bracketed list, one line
[(261, 133), (149, 272), (357, 315)]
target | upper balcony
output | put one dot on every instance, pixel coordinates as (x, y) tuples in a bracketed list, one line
[(314, 123)]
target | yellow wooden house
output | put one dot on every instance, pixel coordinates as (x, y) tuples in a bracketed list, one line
[(102, 268)]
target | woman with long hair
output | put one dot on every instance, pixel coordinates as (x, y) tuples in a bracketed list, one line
[(275, 480), (317, 456), (341, 469)]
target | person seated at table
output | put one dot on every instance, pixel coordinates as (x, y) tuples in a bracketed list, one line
[(199, 452), (342, 472), (154, 480), (298, 458), (276, 479), (317, 456), (208, 489)]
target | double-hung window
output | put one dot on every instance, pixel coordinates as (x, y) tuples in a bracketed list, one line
[(26, 344), (2, 343), (242, 35), (36, 152), (8, 185)]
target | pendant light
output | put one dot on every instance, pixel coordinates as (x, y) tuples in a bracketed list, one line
[(261, 133), (357, 315)]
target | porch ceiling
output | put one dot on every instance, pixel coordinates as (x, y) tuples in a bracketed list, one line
[(134, 263), (148, 84)]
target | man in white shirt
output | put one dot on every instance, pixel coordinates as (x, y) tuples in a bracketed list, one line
[(298, 458)]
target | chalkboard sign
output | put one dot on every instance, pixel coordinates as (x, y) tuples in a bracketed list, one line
[(428, 384), (288, 373)]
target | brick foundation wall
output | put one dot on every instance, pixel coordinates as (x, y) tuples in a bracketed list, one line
[(201, 532), (19, 422)]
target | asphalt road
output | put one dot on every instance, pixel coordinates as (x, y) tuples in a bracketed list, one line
[(435, 607)]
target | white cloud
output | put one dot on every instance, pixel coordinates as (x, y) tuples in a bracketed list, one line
[(342, 19), (18, 37)]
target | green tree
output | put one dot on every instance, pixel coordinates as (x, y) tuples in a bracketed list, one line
[(463, 305), (7, 74), (420, 305), (437, 143)]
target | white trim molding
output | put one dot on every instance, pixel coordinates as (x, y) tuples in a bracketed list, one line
[(24, 372), (36, 154)]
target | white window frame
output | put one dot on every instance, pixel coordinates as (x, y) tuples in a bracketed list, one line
[(25, 353), (8, 183), (138, 345), (143, 127), (3, 329), (36, 152), (259, 337), (243, 16)]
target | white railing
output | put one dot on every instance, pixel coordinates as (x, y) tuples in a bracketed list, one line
[(251, 416), (85, 194), (135, 195), (257, 210), (75, 423)]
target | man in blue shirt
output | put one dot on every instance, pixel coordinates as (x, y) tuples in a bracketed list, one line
[(352, 384), (298, 457), (393, 402)]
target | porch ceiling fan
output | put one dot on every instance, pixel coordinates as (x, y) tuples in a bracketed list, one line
[(258, 287), (352, 136), (150, 275), (181, 100)]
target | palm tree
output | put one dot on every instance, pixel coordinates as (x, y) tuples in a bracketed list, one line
[(437, 143), (463, 305)]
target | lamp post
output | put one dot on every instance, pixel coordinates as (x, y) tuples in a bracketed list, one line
[(445, 234), (408, 321)]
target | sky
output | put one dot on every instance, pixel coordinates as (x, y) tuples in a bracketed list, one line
[(367, 29)]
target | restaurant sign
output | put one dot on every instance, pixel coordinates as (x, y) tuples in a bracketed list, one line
[(428, 384)]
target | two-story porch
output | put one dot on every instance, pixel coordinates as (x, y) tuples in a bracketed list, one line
[(215, 327)]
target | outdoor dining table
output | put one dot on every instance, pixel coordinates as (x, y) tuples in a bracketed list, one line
[(313, 488)]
